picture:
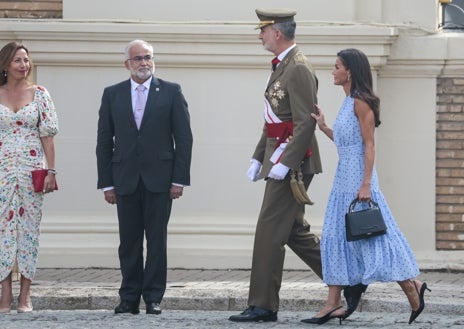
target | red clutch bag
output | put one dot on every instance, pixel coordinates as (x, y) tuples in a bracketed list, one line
[(38, 179)]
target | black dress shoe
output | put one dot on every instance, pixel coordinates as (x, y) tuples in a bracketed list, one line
[(416, 313), (325, 318), (353, 295), (126, 307), (153, 308), (254, 314)]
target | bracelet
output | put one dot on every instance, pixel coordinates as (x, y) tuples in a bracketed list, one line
[(52, 171)]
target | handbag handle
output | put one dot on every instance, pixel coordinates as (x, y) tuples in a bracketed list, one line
[(372, 204)]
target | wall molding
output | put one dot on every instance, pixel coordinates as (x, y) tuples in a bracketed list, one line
[(219, 45)]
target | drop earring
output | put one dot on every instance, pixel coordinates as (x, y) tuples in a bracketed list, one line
[(5, 74)]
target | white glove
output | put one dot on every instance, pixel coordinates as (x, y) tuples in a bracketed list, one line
[(278, 171), (253, 171)]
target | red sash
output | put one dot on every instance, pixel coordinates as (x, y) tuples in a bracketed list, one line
[(282, 131)]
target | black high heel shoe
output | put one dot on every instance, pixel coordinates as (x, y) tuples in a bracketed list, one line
[(325, 318), (416, 313), (353, 296)]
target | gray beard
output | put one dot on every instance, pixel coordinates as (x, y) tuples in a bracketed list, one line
[(144, 74)]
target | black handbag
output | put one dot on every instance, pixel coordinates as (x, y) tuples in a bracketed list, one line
[(365, 223)]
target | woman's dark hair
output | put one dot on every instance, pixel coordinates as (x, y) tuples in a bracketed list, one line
[(357, 63), (7, 54)]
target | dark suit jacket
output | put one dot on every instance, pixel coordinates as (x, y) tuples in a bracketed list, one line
[(292, 93), (159, 153)]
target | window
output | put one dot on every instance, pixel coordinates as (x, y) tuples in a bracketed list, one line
[(452, 14)]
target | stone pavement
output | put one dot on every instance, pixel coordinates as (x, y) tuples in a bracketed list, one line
[(175, 319), (85, 298)]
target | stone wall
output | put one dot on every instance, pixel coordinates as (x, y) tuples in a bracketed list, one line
[(450, 164), (31, 9)]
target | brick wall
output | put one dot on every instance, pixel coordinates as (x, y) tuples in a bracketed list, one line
[(31, 9), (450, 164)]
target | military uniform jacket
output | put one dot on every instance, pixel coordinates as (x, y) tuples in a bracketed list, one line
[(292, 93)]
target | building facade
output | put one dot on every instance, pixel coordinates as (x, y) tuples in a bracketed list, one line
[(213, 52)]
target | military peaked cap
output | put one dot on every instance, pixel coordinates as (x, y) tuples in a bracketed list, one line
[(274, 15)]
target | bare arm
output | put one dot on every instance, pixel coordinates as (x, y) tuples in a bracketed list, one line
[(366, 121), (48, 145)]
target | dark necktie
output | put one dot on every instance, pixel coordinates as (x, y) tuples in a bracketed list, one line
[(274, 62)]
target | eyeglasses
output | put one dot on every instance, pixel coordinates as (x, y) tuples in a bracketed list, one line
[(139, 59)]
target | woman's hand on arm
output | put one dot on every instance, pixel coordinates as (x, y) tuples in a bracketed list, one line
[(320, 119), (365, 116)]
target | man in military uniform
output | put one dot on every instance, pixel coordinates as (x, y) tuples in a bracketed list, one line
[(287, 145)]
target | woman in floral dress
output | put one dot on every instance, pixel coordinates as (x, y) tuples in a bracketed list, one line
[(384, 258), (28, 122)]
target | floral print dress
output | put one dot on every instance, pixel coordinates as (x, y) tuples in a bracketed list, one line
[(20, 207)]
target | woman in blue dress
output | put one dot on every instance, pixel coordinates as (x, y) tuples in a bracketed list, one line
[(384, 258)]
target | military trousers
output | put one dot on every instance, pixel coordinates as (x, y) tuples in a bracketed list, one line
[(281, 222)]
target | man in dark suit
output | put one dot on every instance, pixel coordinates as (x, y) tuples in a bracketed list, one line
[(144, 148), (287, 144)]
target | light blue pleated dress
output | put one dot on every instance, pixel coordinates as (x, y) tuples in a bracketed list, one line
[(384, 258)]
